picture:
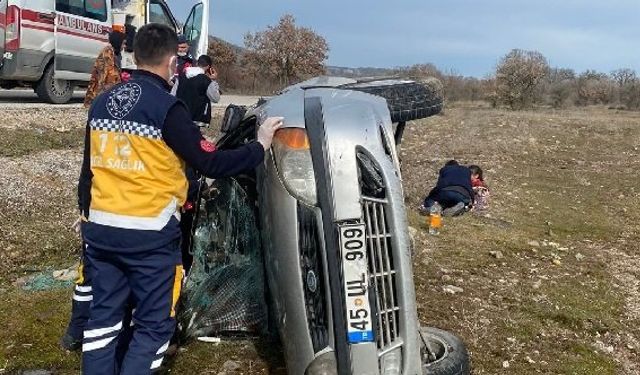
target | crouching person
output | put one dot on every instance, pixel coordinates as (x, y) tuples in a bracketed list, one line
[(137, 141), (453, 190)]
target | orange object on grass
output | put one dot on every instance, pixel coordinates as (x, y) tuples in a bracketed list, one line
[(435, 221)]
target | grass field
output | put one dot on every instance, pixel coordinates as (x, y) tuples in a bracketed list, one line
[(550, 274)]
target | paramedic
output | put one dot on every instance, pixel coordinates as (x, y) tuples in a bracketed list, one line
[(132, 185)]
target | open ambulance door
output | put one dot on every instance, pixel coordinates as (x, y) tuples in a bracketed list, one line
[(196, 29)]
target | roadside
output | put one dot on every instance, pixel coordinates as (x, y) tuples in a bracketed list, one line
[(548, 282)]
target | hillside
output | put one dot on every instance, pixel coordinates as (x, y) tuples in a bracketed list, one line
[(340, 71)]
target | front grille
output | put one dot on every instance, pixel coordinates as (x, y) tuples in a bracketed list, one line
[(312, 278), (382, 273)]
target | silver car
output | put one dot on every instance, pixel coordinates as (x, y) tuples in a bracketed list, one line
[(330, 213)]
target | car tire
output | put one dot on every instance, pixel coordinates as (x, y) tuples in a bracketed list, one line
[(452, 357), (407, 100), (55, 91)]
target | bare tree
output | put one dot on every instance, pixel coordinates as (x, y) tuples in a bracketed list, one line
[(224, 60), (287, 51), (420, 71), (561, 74), (630, 95), (518, 77), (624, 76), (594, 88)]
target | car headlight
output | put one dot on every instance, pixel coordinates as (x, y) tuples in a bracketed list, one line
[(293, 160)]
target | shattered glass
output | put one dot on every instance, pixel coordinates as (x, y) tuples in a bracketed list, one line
[(225, 291)]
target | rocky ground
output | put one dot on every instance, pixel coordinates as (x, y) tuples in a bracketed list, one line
[(547, 281)]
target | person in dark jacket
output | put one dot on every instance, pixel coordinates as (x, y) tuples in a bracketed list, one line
[(185, 58), (453, 191), (197, 88), (131, 189)]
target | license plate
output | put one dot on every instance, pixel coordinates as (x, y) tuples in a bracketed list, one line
[(356, 282)]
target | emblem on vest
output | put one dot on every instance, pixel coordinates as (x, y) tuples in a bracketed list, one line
[(122, 99)]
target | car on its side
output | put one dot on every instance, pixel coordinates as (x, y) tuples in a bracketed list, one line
[(328, 209)]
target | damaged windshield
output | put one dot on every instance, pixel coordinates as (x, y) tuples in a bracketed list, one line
[(224, 291)]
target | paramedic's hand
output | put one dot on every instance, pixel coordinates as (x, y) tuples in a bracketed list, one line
[(267, 129)]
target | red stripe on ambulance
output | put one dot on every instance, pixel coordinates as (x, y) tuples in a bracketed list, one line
[(66, 25), (38, 27), (30, 15)]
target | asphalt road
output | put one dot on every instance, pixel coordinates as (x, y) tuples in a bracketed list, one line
[(19, 98)]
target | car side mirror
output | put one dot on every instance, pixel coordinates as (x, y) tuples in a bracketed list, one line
[(233, 116)]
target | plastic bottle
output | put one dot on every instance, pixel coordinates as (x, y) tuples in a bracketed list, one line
[(435, 219)]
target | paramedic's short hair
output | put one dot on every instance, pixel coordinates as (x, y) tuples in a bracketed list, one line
[(204, 61), (153, 43), (451, 162)]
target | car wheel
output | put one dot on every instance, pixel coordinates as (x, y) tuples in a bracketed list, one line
[(407, 100), (50, 90), (444, 353)]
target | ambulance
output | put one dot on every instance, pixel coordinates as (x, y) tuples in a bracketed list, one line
[(51, 45)]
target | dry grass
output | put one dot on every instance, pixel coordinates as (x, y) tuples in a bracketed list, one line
[(562, 177), (568, 307)]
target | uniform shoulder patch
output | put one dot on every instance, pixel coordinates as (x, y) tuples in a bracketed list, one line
[(123, 99), (207, 146)]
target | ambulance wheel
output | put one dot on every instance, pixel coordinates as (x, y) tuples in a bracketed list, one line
[(55, 91)]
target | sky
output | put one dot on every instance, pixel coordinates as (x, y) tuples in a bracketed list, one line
[(466, 37)]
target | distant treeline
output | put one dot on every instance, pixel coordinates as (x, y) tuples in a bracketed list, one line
[(285, 53), (523, 79)]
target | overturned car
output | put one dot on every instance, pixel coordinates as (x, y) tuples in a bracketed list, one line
[(315, 243)]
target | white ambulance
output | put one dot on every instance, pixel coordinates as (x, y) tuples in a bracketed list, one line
[(51, 45)]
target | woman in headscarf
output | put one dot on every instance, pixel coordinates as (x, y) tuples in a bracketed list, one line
[(106, 69)]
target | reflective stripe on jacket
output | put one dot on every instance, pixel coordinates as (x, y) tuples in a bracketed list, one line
[(138, 181)]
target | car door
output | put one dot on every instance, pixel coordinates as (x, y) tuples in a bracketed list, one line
[(196, 28), (81, 31)]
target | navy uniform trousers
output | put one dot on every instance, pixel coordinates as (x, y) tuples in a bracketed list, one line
[(81, 307), (81, 302), (150, 280)]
